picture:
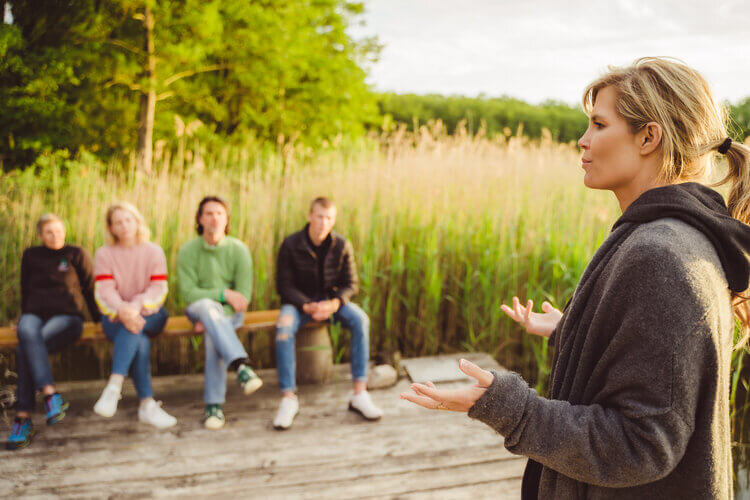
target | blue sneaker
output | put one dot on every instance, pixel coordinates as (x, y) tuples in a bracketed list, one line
[(20, 434), (55, 406)]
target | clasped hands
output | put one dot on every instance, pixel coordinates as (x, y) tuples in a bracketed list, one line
[(322, 310), (463, 398), (131, 318)]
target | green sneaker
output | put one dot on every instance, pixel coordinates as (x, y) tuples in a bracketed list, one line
[(248, 380), (214, 417)]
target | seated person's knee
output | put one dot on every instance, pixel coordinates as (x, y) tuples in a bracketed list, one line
[(206, 304), (284, 327), (25, 334)]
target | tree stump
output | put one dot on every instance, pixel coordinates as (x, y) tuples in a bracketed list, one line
[(314, 354)]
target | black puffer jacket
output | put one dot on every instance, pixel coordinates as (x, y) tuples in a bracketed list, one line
[(297, 270)]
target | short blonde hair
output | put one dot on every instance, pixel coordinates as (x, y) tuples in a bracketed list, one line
[(46, 219), (323, 201), (143, 233)]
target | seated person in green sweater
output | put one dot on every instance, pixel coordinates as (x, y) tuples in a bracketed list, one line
[(215, 278)]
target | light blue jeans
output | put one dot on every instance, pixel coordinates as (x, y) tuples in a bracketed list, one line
[(221, 343), (132, 351), (350, 315)]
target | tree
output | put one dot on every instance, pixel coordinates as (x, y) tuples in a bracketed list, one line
[(104, 74)]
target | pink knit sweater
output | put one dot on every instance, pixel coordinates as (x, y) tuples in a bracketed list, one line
[(135, 276)]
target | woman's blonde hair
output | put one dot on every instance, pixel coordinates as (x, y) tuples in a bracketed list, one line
[(694, 126), (142, 234)]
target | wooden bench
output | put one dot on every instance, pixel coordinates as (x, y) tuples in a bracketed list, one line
[(313, 345)]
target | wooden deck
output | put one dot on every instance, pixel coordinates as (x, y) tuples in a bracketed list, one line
[(328, 453)]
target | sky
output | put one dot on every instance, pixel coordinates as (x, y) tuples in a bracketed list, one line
[(550, 49)]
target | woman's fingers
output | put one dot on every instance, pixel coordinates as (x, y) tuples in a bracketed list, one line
[(510, 312), (430, 384), (484, 377), (518, 309), (527, 311), (547, 307), (423, 401)]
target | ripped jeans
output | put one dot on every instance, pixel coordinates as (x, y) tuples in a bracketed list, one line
[(221, 343), (350, 315)]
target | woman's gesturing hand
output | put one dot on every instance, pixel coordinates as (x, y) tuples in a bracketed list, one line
[(460, 399), (536, 323)]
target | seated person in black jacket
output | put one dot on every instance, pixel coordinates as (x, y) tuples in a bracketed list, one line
[(57, 280), (316, 278)]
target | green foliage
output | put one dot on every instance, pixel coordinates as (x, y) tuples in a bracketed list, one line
[(71, 74), (504, 115), (740, 118), (500, 115)]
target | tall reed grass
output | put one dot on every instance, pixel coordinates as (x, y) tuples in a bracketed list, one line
[(446, 228)]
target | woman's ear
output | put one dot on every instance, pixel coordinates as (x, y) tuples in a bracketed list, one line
[(649, 138)]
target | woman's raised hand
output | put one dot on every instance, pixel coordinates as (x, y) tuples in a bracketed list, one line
[(460, 399), (537, 323)]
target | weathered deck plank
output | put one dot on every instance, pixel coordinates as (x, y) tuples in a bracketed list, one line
[(329, 453)]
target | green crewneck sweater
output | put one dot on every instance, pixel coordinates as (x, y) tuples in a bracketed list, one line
[(205, 271)]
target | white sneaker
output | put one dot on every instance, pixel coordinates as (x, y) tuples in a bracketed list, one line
[(362, 404), (106, 406), (152, 413), (287, 411)]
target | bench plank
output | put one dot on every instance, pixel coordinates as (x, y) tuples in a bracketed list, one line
[(177, 326)]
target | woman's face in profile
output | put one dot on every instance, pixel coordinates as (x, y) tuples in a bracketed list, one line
[(611, 154), (53, 235)]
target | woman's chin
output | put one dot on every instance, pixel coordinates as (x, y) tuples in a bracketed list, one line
[(592, 182)]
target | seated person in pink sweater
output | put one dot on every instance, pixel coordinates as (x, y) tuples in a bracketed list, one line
[(131, 287)]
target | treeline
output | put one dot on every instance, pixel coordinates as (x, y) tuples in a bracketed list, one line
[(504, 115), (113, 77), (110, 75), (499, 115)]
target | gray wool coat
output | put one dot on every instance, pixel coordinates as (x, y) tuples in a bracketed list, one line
[(639, 398)]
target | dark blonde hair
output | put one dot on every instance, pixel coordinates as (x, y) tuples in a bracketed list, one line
[(46, 219), (694, 126)]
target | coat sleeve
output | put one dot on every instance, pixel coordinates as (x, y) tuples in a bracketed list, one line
[(288, 292), (638, 428), (348, 279), (85, 269)]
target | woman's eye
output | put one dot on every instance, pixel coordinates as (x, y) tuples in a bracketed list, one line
[(598, 124)]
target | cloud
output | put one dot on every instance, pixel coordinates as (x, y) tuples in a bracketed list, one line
[(541, 49)]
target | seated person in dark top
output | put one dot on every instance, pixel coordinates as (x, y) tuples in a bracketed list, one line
[(316, 278), (56, 280)]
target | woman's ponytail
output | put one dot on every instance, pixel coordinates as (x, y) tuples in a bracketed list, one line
[(738, 203)]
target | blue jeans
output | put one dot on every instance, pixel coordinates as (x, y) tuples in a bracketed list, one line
[(350, 315), (37, 339), (132, 351), (221, 343)]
